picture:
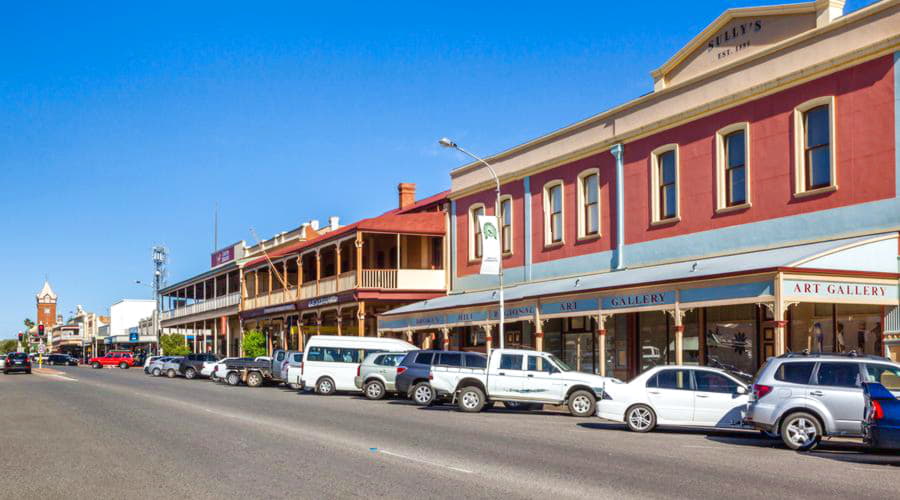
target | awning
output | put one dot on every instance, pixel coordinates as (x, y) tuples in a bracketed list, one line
[(873, 255)]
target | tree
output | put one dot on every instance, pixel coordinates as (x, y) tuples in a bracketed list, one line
[(254, 344), (173, 345), (8, 345)]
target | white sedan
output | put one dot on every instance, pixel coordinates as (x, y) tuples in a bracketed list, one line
[(693, 396)]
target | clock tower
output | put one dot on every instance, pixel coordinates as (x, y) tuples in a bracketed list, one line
[(46, 307)]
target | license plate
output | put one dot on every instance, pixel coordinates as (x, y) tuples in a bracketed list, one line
[(18, 362)]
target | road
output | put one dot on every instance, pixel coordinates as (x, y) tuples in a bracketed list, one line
[(103, 433)]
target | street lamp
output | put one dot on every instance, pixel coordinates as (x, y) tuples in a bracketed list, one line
[(447, 143)]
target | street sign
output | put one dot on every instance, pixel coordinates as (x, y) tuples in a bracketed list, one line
[(41, 348), (133, 337)]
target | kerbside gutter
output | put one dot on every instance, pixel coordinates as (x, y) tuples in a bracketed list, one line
[(618, 151)]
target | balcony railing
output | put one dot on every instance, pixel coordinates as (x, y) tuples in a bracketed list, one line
[(346, 281), (327, 285), (203, 306), (308, 290), (404, 279), (275, 298)]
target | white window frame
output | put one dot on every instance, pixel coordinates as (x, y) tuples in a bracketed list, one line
[(800, 147), (654, 185), (582, 222), (548, 239), (512, 224), (473, 223), (722, 165)]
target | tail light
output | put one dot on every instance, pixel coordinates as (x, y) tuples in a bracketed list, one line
[(358, 369), (430, 376), (761, 390), (877, 410), (401, 369)]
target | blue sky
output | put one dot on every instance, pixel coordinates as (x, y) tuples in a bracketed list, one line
[(123, 125)]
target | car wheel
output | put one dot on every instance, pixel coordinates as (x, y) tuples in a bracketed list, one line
[(325, 386), (471, 400), (254, 379), (640, 418), (190, 373), (96, 365), (28, 371), (233, 378), (295, 387), (801, 431), (423, 394), (581, 404), (155, 372), (170, 373), (374, 390), (123, 365)]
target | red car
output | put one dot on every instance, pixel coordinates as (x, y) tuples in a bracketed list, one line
[(122, 359)]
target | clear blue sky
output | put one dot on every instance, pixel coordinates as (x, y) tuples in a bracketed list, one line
[(122, 126)]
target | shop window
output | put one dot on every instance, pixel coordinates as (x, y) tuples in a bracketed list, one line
[(859, 328), (589, 203), (506, 229), (733, 167), (657, 343), (731, 333), (554, 216), (664, 185), (836, 328), (617, 346), (475, 250), (814, 147)]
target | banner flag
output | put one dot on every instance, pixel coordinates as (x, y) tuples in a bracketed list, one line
[(490, 245)]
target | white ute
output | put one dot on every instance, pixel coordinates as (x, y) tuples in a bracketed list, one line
[(520, 376)]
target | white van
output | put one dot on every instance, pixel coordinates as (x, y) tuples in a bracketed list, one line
[(330, 362)]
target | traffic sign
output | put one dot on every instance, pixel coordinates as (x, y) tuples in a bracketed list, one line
[(41, 348)]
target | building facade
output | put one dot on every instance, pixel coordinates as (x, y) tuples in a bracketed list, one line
[(748, 206)]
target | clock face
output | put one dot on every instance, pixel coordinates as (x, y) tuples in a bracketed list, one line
[(46, 310)]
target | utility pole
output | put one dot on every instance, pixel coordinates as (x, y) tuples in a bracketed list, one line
[(160, 255)]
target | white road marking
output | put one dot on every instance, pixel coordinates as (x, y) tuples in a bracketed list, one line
[(427, 462), (57, 376)]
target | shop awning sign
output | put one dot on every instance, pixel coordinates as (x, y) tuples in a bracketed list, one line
[(467, 317), (573, 307), (836, 290), (647, 299), (393, 324), (514, 312), (426, 321)]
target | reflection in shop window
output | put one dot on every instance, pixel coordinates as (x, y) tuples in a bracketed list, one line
[(730, 338), (858, 328)]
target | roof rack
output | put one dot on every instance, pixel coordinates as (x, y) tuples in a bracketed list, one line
[(838, 355)]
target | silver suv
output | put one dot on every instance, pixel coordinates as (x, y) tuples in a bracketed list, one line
[(377, 374), (803, 397)]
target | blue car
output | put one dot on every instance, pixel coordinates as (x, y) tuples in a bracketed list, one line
[(882, 417)]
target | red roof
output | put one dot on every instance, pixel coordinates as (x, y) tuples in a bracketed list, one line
[(393, 221)]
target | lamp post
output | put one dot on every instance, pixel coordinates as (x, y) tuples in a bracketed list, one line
[(447, 143)]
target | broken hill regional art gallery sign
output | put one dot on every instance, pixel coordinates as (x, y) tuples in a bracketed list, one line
[(830, 290)]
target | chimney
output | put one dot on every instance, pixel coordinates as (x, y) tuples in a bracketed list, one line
[(314, 224), (407, 191), (334, 222), (827, 11)]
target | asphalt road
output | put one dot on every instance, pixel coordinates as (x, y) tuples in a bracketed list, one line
[(110, 433)]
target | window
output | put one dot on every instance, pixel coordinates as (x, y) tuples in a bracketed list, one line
[(814, 146), (511, 362), (714, 382), (733, 167), (589, 203), (539, 364), (553, 213), (476, 361), (838, 374), (671, 379), (451, 359), (506, 216), (664, 183), (886, 375), (795, 373), (424, 358), (475, 251)]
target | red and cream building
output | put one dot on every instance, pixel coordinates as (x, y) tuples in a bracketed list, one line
[(748, 205)]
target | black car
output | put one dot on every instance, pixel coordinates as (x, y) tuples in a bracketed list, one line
[(60, 360), (412, 372), (192, 364), (17, 362)]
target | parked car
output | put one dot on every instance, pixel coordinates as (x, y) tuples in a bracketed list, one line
[(148, 362), (678, 396), (412, 376), (804, 397), (169, 367), (881, 426), (192, 364), (330, 362), (16, 362), (260, 370), (376, 374), (520, 376), (217, 369), (122, 359), (155, 367), (2, 360), (60, 359)]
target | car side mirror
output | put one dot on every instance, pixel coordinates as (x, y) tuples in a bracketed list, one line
[(742, 390)]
